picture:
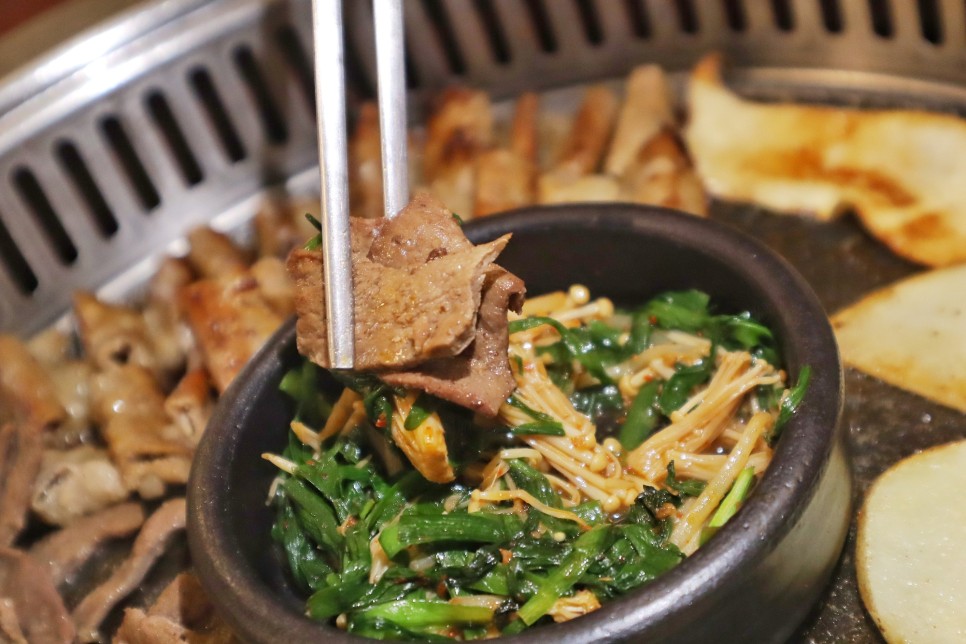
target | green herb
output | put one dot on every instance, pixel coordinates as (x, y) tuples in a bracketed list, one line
[(692, 487), (684, 310), (791, 401), (546, 429), (560, 580), (312, 219), (533, 482), (422, 408), (731, 503), (415, 528), (545, 422), (678, 388), (315, 242), (642, 416)]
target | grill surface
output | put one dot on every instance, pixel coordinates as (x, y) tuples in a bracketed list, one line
[(182, 112), (115, 144)]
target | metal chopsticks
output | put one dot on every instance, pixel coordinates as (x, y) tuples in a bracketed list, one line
[(391, 83), (327, 27)]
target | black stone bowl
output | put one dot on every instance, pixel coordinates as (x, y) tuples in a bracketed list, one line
[(753, 582)]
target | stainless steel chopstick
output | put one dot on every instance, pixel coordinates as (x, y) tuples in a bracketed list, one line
[(333, 167), (330, 99), (391, 84)]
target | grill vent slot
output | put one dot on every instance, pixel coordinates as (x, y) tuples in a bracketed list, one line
[(214, 107), (15, 263), (130, 163), (590, 21), (75, 168), (39, 206), (443, 28), (413, 80), (272, 121), (735, 15), (881, 11), (493, 29), (832, 15), (782, 11), (930, 22), (541, 25), (687, 17), (298, 62), (637, 14), (174, 137)]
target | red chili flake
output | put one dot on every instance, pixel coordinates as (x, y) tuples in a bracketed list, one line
[(648, 377), (506, 555), (441, 589), (652, 319), (381, 421)]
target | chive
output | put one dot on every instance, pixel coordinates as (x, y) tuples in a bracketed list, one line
[(642, 417), (312, 219), (329, 602), (424, 613), (525, 324), (734, 498), (315, 515), (792, 400), (745, 331), (412, 529), (539, 428), (691, 487), (532, 481), (641, 329), (684, 310), (730, 504), (513, 401), (561, 579), (419, 412), (494, 582), (678, 387)]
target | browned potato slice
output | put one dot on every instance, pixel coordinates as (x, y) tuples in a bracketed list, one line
[(912, 334), (910, 560), (900, 170)]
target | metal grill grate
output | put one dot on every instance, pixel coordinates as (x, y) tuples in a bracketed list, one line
[(167, 117)]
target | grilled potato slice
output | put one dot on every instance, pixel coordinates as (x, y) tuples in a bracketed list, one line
[(910, 561)]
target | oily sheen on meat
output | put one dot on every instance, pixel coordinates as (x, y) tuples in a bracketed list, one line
[(430, 307)]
